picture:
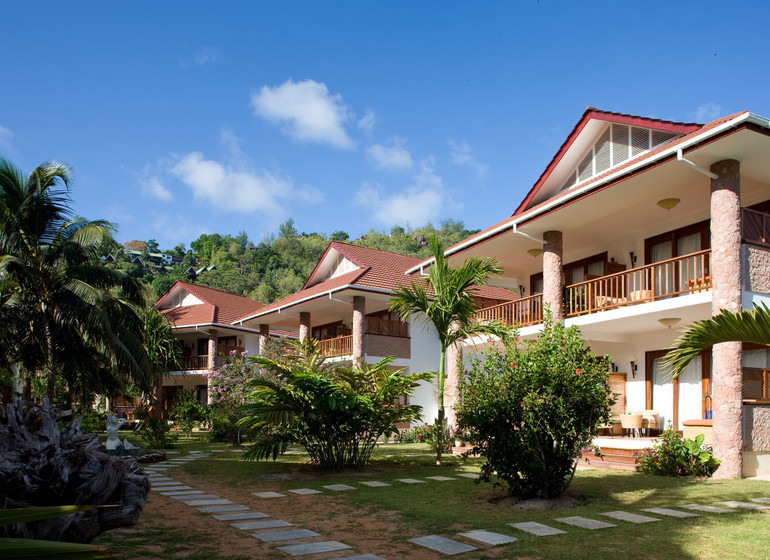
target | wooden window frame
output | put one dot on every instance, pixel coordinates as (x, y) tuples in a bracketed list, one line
[(704, 228), (568, 268), (705, 381)]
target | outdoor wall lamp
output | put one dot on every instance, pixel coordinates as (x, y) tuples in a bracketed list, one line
[(633, 258), (633, 369), (522, 291)]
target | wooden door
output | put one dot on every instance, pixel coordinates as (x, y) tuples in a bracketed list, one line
[(617, 384)]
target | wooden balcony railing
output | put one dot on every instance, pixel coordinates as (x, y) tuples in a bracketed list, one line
[(389, 327), (755, 227), (339, 346), (522, 312), (681, 275), (195, 362)]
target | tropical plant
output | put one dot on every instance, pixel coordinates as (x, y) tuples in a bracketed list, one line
[(744, 326), (673, 455), (164, 352), (449, 308), (336, 413), (530, 407), (67, 316), (187, 412)]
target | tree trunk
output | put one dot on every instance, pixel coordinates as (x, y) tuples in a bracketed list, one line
[(50, 364), (440, 420)]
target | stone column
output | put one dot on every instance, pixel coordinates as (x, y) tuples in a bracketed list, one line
[(212, 349), (264, 336), (454, 373), (726, 294), (304, 326), (553, 285), (359, 330)]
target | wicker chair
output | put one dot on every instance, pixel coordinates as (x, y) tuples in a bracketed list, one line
[(650, 420)]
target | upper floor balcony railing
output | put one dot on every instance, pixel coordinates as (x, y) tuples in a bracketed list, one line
[(687, 274), (523, 312), (339, 346), (195, 362), (756, 227)]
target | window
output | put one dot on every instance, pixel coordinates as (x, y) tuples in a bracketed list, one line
[(756, 375), (574, 272)]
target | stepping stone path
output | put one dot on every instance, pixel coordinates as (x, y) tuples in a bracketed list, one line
[(443, 544), (537, 529), (220, 509), (743, 505), (339, 487), (313, 548), (254, 525), (584, 522), (305, 491), (241, 516), (671, 512), (277, 536), (411, 481), (469, 475), (707, 509), (374, 484), (630, 517), (441, 478), (761, 500), (269, 495), (488, 537)]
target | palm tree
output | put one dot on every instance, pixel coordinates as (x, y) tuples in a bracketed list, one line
[(163, 349), (450, 309), (744, 326), (72, 318)]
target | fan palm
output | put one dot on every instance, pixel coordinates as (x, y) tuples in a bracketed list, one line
[(450, 309), (744, 326), (69, 317)]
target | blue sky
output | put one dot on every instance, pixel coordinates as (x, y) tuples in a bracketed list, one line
[(182, 118)]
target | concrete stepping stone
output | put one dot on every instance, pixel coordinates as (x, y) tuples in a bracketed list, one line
[(441, 478), (183, 493), (537, 529), (442, 544), (241, 516), (761, 500), (217, 450), (178, 452), (361, 557), (743, 505), (488, 537), (411, 481), (584, 522), (374, 483), (313, 548), (671, 512), (221, 509), (254, 525), (707, 509), (630, 517), (305, 491), (469, 475), (154, 479), (162, 483), (269, 495), (187, 497), (293, 534), (236, 450), (208, 502), (339, 487), (172, 488)]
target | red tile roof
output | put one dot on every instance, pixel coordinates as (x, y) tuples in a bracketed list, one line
[(594, 181), (218, 306)]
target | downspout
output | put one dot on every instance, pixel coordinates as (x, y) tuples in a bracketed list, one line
[(515, 230), (707, 173)]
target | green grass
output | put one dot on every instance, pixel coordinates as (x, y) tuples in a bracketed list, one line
[(446, 508)]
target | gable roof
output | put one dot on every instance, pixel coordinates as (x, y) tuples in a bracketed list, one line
[(523, 214), (218, 307)]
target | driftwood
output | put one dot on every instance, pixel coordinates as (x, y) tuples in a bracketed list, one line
[(43, 465)]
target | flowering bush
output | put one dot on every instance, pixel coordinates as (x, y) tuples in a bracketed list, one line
[(672, 455), (530, 407), (417, 434), (155, 432)]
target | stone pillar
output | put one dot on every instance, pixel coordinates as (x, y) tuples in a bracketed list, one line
[(304, 326), (359, 330), (726, 294), (264, 336), (553, 285), (454, 373), (213, 349)]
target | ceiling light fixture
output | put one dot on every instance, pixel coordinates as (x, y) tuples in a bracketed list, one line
[(535, 252), (669, 321), (668, 203)]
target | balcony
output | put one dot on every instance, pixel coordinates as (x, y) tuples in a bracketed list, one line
[(339, 346), (195, 362), (688, 274)]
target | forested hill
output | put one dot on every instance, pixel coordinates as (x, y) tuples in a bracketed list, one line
[(271, 269)]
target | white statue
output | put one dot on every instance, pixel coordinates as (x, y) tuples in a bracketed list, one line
[(128, 445), (113, 425)]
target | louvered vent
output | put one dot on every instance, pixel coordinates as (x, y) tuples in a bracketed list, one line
[(618, 143)]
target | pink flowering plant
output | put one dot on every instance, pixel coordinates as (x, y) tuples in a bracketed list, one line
[(530, 406)]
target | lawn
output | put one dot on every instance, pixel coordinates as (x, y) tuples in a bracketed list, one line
[(380, 520)]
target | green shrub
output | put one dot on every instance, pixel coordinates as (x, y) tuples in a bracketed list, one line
[(416, 434), (674, 456), (94, 421), (187, 411), (225, 429), (155, 433), (530, 407)]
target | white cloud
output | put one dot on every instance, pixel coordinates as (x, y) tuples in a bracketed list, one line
[(368, 121), (462, 154), (154, 188), (708, 112), (171, 230), (118, 214), (393, 157), (207, 55), (6, 135), (307, 111), (426, 199)]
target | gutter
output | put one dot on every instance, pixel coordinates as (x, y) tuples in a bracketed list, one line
[(216, 325), (750, 117)]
